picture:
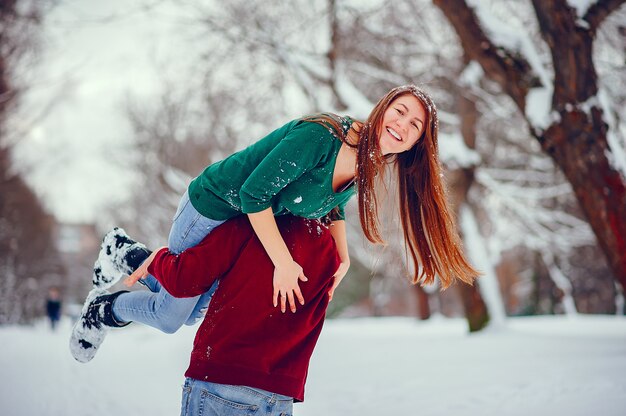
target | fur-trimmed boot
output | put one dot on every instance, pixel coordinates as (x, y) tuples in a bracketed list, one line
[(93, 325), (119, 255)]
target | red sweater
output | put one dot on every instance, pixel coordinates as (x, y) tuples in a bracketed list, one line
[(243, 339)]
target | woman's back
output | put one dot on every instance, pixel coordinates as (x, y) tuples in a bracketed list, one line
[(289, 170)]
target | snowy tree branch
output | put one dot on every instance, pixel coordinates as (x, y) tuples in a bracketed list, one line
[(600, 11), (575, 75), (511, 71)]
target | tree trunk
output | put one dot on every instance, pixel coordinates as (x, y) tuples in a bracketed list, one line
[(475, 310), (423, 307), (578, 145), (460, 181)]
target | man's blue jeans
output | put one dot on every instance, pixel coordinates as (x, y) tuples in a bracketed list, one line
[(157, 308), (212, 399)]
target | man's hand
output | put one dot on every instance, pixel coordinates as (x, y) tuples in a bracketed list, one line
[(142, 271)]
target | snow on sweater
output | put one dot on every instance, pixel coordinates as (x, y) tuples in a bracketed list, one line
[(290, 169)]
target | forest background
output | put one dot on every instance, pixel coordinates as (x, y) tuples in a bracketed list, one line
[(108, 110)]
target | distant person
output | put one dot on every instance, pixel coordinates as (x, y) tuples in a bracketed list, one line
[(310, 167), (53, 307)]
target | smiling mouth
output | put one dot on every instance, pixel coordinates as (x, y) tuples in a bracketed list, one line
[(394, 134)]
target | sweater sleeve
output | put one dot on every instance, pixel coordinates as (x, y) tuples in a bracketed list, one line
[(299, 151), (194, 271)]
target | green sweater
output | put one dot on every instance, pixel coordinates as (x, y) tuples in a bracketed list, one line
[(290, 169)]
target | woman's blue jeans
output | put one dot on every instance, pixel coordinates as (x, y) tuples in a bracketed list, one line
[(157, 308), (202, 398)]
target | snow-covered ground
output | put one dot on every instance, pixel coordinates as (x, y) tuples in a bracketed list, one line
[(532, 366)]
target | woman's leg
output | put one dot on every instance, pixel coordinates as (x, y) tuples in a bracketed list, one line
[(199, 310), (161, 310)]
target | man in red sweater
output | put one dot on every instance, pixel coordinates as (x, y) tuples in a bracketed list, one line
[(247, 355)]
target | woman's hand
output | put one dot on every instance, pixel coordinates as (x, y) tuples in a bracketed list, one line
[(286, 285), (339, 274), (286, 271), (142, 271)]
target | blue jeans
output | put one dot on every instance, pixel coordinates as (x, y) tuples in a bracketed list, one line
[(201, 398), (157, 308)]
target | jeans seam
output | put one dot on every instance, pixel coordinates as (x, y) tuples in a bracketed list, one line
[(269, 396), (203, 396), (178, 213), (186, 234), (187, 388), (253, 391), (230, 403)]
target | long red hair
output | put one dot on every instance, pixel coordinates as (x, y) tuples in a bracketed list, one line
[(430, 234)]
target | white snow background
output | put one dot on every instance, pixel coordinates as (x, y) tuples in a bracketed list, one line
[(541, 366)]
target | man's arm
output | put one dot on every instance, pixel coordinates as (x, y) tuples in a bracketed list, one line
[(194, 271)]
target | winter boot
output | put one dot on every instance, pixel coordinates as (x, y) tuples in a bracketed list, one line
[(119, 256), (93, 325)]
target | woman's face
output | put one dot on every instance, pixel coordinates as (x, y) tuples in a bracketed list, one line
[(403, 124)]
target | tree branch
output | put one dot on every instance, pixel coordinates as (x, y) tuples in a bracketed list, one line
[(575, 78), (511, 71), (600, 11)]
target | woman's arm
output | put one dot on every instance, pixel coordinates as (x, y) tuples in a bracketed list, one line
[(301, 150), (338, 231), (286, 270)]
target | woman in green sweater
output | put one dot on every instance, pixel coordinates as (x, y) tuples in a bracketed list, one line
[(309, 167)]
